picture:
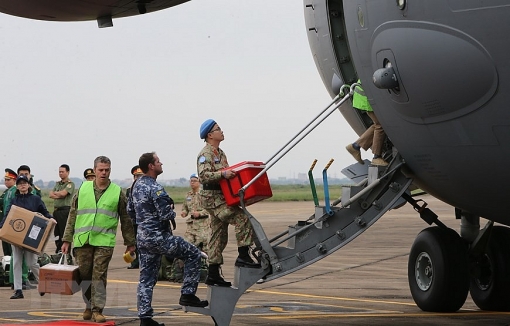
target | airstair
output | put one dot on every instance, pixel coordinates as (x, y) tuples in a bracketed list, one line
[(332, 225)]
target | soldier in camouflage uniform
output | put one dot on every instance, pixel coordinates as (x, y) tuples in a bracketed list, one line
[(154, 213), (211, 166), (197, 230), (92, 227), (197, 225)]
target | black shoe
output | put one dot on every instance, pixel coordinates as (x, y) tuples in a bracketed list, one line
[(150, 322), (133, 267), (192, 301), (218, 282), (18, 294), (246, 262)]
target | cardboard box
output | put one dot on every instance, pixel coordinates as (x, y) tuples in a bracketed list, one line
[(26, 229), (59, 278), (245, 172)]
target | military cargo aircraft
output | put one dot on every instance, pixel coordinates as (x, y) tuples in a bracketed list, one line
[(435, 73)]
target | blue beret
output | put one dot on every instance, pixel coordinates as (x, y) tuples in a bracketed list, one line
[(206, 127), (194, 175)]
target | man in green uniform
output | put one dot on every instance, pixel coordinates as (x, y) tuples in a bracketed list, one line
[(62, 193), (9, 181), (92, 227), (211, 166)]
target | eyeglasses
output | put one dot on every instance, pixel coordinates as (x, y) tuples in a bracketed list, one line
[(217, 129)]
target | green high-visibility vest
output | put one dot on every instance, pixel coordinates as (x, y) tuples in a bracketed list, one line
[(96, 223), (359, 100)]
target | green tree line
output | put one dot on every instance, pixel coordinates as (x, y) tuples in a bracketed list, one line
[(280, 193)]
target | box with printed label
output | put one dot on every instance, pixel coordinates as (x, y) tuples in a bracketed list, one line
[(59, 278), (26, 229), (245, 172)]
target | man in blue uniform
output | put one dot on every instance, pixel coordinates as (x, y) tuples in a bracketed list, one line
[(154, 211)]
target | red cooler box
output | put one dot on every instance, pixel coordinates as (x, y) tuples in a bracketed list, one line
[(245, 172)]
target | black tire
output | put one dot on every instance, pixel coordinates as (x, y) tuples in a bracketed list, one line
[(490, 284), (437, 270)]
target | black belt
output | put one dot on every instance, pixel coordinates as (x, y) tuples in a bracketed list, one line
[(211, 186), (62, 208), (200, 217)]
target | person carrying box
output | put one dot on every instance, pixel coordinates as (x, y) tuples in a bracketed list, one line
[(210, 162)]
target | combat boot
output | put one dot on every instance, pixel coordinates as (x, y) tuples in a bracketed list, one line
[(98, 317), (214, 277), (150, 322), (192, 301), (244, 259), (87, 314)]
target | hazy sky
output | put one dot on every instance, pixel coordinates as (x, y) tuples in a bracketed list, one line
[(72, 91)]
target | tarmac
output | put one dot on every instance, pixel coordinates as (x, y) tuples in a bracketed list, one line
[(364, 283)]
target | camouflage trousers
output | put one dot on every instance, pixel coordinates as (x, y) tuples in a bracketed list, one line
[(93, 266), (221, 217), (198, 232), (151, 251)]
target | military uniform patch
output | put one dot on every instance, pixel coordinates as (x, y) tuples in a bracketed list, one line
[(201, 159)]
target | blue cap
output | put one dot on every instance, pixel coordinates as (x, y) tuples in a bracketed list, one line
[(206, 127), (194, 175)]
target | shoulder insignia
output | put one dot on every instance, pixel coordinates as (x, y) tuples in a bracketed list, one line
[(201, 159), (68, 185), (159, 192)]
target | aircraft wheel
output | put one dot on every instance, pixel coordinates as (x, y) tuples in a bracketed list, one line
[(438, 270), (490, 284)]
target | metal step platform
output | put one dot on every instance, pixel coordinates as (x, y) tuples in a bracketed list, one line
[(309, 241), (331, 226)]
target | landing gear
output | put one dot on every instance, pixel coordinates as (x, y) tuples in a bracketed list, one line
[(490, 282), (438, 270)]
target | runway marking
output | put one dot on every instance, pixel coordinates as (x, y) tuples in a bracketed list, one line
[(403, 314), (333, 298), (273, 310)]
